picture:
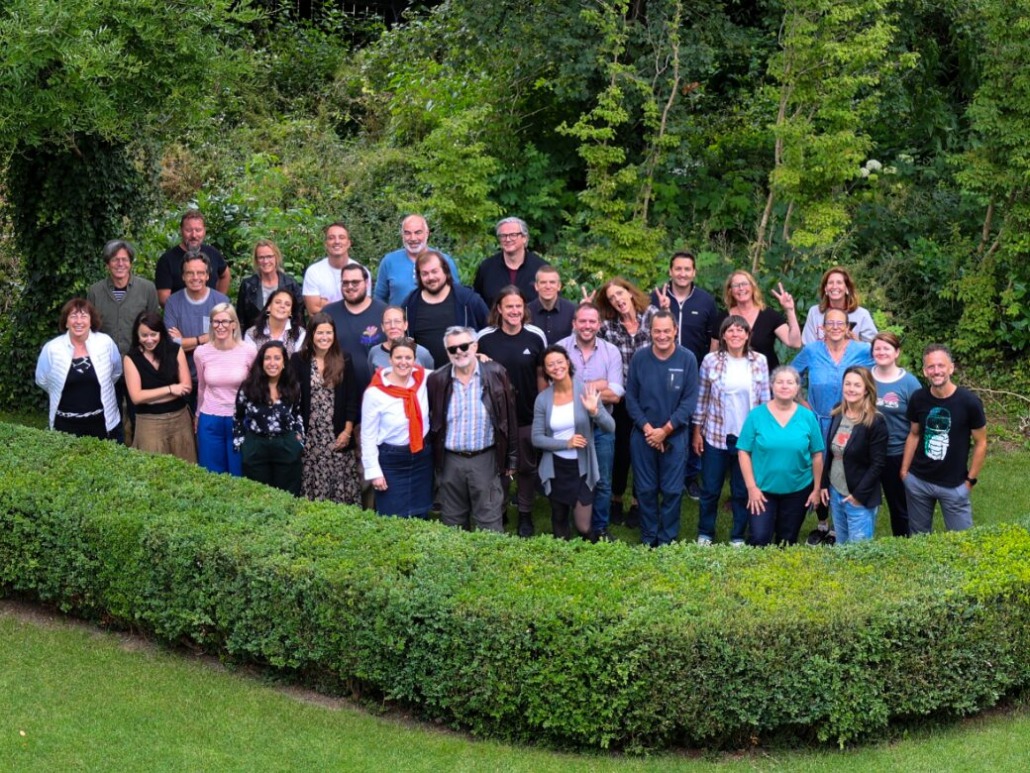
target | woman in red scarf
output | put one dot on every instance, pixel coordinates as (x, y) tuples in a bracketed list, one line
[(394, 424)]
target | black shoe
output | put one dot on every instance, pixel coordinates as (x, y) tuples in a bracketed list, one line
[(601, 535), (525, 525), (633, 518), (693, 490), (615, 517)]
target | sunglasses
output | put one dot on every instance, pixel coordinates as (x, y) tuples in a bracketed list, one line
[(459, 348)]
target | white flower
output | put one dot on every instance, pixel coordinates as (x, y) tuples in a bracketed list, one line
[(873, 165)]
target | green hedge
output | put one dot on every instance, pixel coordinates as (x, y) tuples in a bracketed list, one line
[(566, 644)]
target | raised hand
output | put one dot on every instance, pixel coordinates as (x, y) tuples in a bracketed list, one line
[(590, 399), (662, 291), (785, 299)]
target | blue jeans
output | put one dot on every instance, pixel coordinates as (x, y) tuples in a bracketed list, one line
[(694, 462), (714, 464), (214, 445), (654, 473), (781, 520), (853, 523), (604, 448)]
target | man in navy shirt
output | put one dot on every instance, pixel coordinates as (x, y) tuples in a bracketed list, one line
[(660, 398)]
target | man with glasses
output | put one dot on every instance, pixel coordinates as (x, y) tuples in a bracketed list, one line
[(473, 429), (395, 327), (397, 276), (188, 311), (357, 319), (513, 264)]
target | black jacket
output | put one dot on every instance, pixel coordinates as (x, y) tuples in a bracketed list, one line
[(864, 457), (248, 300), (346, 400), (500, 405), (492, 275)]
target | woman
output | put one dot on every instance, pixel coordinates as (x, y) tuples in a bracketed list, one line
[(157, 378), (780, 450), (625, 322), (268, 277), (394, 424), (733, 380), (279, 321), (857, 446), (329, 407), (395, 327), (743, 297), (894, 387), (837, 291), (564, 416), (267, 430), (78, 370), (222, 365)]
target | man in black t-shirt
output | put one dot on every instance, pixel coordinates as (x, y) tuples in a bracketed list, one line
[(945, 421), (168, 274)]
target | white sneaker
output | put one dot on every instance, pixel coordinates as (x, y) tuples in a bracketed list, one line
[(702, 540), (737, 543)]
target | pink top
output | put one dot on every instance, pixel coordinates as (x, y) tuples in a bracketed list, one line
[(219, 375)]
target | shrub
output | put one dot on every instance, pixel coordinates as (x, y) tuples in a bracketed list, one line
[(567, 644)]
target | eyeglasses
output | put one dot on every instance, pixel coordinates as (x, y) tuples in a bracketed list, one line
[(509, 237), (80, 314), (221, 323), (835, 325), (393, 323), (352, 282), (459, 348), (739, 285)]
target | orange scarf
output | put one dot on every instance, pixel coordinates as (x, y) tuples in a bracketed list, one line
[(409, 397)]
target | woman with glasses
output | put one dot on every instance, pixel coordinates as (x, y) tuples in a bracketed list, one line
[(78, 370), (743, 297), (395, 327), (268, 277), (222, 365)]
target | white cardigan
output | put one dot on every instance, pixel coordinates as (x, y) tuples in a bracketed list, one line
[(55, 360)]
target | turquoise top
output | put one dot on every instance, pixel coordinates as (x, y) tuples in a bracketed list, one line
[(781, 456)]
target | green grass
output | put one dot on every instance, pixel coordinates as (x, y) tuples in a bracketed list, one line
[(78, 699)]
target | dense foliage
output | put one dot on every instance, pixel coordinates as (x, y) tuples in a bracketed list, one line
[(568, 644)]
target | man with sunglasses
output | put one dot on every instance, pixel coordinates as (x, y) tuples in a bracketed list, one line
[(474, 431)]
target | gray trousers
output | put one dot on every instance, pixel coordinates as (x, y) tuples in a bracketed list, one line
[(470, 493), (956, 506)]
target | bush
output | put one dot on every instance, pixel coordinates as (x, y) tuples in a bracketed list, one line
[(567, 644)]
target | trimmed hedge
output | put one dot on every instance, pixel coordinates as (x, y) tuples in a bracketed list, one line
[(567, 644)]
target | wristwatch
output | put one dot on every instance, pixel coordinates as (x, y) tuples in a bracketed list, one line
[(971, 481)]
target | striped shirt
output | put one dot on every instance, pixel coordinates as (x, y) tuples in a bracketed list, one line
[(468, 423)]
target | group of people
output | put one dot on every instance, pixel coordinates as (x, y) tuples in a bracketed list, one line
[(417, 393)]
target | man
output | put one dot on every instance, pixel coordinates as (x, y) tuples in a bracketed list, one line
[(696, 319), (518, 347), (397, 276), (168, 274), (395, 327), (513, 264), (188, 311), (945, 420), (660, 398), (357, 319), (598, 363), (438, 303), (322, 278), (473, 429), (550, 312)]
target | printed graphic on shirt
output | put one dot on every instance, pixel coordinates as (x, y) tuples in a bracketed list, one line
[(370, 335), (889, 400), (935, 438)]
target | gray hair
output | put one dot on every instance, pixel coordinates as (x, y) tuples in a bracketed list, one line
[(115, 246), (194, 253), (457, 330), (785, 369), (408, 217), (517, 221)]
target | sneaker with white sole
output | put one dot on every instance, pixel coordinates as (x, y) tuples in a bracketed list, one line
[(703, 540)]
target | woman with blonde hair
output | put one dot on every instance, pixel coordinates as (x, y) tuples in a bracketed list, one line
[(857, 447), (222, 365), (268, 276), (743, 297)]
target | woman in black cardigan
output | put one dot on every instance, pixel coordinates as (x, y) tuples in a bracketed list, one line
[(268, 276), (329, 405), (857, 448)]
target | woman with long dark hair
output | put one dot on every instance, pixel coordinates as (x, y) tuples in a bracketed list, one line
[(329, 406), (268, 430), (157, 379), (279, 321)]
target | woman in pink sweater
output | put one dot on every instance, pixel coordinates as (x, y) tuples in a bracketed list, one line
[(222, 364)]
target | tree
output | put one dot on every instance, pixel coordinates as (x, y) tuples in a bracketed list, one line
[(79, 81)]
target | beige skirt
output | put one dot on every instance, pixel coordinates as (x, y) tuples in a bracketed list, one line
[(166, 433)]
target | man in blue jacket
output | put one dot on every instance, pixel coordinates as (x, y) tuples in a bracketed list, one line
[(660, 399)]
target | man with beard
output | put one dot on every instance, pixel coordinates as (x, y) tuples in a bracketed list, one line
[(438, 303), (168, 274), (513, 264), (397, 275), (357, 319), (322, 278)]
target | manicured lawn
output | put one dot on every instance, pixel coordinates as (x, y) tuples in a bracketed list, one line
[(78, 699)]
